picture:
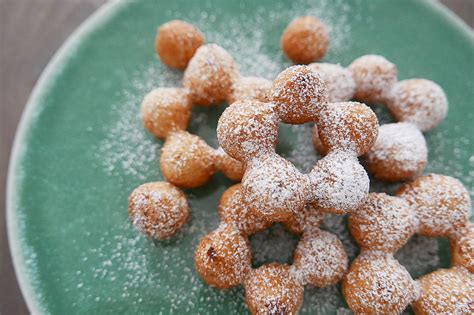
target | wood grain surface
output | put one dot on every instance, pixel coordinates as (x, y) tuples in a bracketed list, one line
[(30, 32)]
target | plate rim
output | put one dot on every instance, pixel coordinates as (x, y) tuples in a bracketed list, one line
[(51, 71)]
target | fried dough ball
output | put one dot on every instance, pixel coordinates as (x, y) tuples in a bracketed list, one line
[(210, 75), (165, 110), (248, 128), (399, 153), (418, 101), (320, 148), (446, 291), (383, 223), (462, 248), (442, 203), (338, 183), (377, 284), (186, 160), (299, 94), (158, 209), (340, 85), (270, 289), (232, 210), (176, 42), (305, 40), (223, 257), (250, 88), (374, 77), (231, 168), (348, 126), (307, 219), (319, 259), (274, 188)]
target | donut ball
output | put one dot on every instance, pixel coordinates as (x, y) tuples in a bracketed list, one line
[(319, 259), (270, 289), (299, 94), (374, 77), (273, 187), (318, 145), (210, 75), (442, 203), (462, 248), (399, 153), (340, 85), (383, 223), (176, 42), (231, 168), (338, 183), (418, 101), (250, 88), (307, 219), (348, 126), (165, 110), (247, 129), (158, 209), (377, 284), (186, 160), (446, 291), (232, 210), (223, 257), (305, 40)]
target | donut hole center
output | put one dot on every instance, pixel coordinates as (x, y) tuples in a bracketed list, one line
[(274, 244), (295, 145)]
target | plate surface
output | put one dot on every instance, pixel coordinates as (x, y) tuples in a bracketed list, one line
[(80, 148)]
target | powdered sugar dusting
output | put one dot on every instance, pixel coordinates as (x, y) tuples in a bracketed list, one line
[(127, 148)]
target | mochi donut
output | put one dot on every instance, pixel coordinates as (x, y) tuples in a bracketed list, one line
[(271, 185)]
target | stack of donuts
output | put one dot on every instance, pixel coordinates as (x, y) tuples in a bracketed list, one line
[(274, 190)]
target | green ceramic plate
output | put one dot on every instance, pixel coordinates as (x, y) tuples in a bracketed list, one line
[(80, 148)]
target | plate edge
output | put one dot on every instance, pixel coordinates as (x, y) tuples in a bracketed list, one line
[(101, 15)]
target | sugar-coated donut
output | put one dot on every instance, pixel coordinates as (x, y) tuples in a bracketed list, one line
[(247, 128), (418, 101), (176, 42), (232, 210), (339, 82), (462, 248), (158, 209), (446, 291), (374, 77), (338, 183), (347, 126), (165, 110), (319, 259), (231, 167), (383, 223), (309, 218), (223, 257), (271, 289), (186, 160), (377, 284), (442, 203), (250, 88), (299, 94), (399, 153), (273, 187), (305, 40), (210, 75)]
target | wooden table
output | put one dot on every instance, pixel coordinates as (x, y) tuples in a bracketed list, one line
[(30, 33)]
